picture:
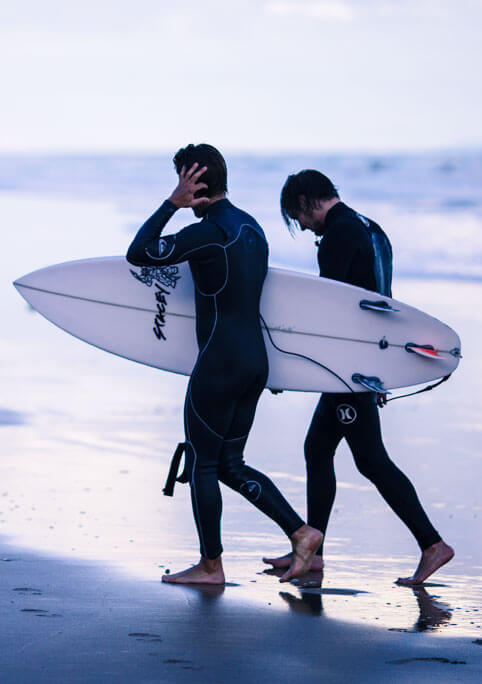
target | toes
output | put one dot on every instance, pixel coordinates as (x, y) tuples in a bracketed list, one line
[(286, 577), (407, 581)]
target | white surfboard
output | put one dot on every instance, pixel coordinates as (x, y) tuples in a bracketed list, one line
[(321, 335)]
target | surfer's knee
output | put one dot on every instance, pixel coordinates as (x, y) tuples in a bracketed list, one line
[(231, 467), (230, 474), (373, 463)]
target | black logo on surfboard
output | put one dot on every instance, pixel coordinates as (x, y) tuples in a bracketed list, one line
[(166, 275), (161, 277)]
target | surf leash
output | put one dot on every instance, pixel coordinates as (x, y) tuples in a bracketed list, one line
[(424, 389), (317, 363), (302, 356)]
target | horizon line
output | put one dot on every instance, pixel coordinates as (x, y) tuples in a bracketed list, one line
[(238, 151)]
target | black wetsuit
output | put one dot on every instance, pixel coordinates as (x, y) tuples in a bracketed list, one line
[(355, 250), (228, 256)]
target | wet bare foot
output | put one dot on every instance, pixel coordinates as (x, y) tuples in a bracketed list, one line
[(205, 572), (432, 559), (310, 580), (305, 541), (285, 562)]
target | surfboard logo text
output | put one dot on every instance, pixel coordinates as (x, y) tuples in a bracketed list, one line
[(159, 276), (166, 275), (160, 320)]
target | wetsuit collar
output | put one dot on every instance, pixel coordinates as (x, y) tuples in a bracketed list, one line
[(337, 210), (217, 206)]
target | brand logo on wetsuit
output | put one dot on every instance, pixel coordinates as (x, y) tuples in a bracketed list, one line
[(251, 490), (167, 275), (346, 414)]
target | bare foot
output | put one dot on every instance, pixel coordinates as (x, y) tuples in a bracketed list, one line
[(205, 572), (432, 559), (285, 562), (310, 580), (305, 541)]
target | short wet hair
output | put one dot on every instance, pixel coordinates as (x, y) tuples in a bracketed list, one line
[(309, 184), (216, 174)]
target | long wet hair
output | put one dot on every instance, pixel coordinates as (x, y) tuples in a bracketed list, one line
[(309, 184), (216, 174)]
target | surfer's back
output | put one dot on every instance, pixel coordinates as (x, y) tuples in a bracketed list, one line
[(240, 262)]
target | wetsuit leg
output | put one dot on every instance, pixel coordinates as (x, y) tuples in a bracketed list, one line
[(217, 423), (203, 449), (251, 483), (323, 437), (208, 412), (359, 418)]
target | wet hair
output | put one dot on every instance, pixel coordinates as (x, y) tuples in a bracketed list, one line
[(309, 184), (216, 174)]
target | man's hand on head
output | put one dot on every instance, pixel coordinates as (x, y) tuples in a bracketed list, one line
[(188, 186)]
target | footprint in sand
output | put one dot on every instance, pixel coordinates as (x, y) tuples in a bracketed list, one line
[(38, 612), (145, 636), (28, 590), (185, 664), (404, 661)]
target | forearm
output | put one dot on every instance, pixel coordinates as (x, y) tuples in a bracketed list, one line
[(149, 234)]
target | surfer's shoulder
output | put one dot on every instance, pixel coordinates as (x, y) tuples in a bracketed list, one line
[(347, 227)]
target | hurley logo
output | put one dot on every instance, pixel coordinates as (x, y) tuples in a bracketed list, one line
[(346, 414)]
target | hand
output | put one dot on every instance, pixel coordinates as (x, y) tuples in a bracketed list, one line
[(381, 400), (183, 195)]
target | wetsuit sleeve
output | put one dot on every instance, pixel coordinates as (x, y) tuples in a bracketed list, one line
[(193, 242), (338, 249)]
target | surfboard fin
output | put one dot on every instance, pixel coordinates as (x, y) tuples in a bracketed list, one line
[(378, 305), (425, 350), (371, 383)]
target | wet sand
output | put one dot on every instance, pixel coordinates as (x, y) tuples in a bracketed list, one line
[(74, 621), (86, 440)]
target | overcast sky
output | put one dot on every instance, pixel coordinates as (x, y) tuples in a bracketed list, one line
[(266, 75)]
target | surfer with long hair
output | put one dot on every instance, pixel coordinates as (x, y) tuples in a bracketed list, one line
[(352, 249)]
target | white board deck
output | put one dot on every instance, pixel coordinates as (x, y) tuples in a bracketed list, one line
[(148, 315)]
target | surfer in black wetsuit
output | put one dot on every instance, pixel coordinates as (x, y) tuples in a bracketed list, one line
[(228, 257), (354, 250)]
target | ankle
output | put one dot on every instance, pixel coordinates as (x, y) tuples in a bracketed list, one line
[(299, 533), (211, 565)]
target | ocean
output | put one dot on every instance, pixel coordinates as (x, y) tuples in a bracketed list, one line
[(429, 204)]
